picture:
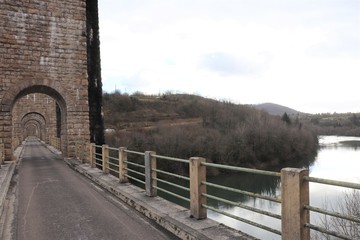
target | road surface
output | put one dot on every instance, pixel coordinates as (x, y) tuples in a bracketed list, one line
[(54, 202)]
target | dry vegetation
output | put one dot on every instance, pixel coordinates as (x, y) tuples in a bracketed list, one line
[(187, 125), (350, 206)]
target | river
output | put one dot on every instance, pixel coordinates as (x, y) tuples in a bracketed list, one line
[(338, 158)]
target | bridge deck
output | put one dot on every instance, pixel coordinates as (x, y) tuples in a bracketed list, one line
[(54, 202)]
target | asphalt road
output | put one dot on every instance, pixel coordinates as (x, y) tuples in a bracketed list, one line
[(54, 202)]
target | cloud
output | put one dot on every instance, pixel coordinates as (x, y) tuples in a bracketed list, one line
[(344, 44), (225, 64), (292, 52)]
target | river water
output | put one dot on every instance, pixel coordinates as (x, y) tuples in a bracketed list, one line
[(338, 158)]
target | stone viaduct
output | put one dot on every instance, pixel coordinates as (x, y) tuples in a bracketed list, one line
[(50, 81)]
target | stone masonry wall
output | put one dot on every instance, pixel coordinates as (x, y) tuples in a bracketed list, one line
[(43, 49), (36, 106)]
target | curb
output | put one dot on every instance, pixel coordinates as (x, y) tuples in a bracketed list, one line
[(6, 184)]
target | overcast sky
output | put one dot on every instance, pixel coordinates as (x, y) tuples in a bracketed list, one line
[(304, 54)]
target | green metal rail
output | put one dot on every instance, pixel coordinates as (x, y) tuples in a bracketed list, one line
[(336, 183), (242, 219), (333, 182), (170, 158), (250, 194), (241, 169)]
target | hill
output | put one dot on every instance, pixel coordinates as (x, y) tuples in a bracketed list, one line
[(182, 125), (276, 109)]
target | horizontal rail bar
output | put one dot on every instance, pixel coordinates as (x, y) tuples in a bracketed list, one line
[(134, 164), (98, 164), (113, 158), (173, 184), (112, 148), (333, 182), (241, 169), (172, 194), (113, 170), (113, 164), (98, 154), (170, 158), (243, 220), (134, 152), (133, 171), (251, 194), (98, 146), (135, 179), (240, 205), (334, 214), (99, 159), (171, 174), (323, 230)]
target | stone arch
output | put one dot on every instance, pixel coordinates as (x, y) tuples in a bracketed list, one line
[(51, 92), (67, 106), (29, 128), (34, 118), (56, 92), (41, 104)]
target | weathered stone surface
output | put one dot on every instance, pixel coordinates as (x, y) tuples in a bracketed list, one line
[(35, 115), (44, 50)]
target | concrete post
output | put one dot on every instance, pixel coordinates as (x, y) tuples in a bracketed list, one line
[(105, 158), (92, 155), (294, 195), (150, 175), (122, 165), (197, 175)]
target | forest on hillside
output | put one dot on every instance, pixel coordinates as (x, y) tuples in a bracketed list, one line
[(184, 126), (344, 124)]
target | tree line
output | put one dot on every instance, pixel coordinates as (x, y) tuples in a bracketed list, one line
[(228, 134)]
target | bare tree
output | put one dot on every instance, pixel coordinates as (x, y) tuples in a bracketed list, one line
[(350, 206)]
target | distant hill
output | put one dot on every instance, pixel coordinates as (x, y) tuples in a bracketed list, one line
[(276, 109)]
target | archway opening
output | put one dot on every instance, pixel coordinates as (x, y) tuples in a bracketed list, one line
[(39, 111), (32, 118)]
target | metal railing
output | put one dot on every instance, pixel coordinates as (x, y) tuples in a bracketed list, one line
[(350, 219), (125, 164), (141, 168), (246, 193)]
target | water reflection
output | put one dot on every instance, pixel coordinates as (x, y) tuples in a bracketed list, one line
[(261, 184), (338, 158)]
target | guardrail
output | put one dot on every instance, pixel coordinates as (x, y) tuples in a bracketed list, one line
[(55, 142), (16, 142), (350, 219), (295, 208)]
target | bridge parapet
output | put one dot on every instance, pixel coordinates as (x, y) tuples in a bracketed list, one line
[(55, 142), (141, 168)]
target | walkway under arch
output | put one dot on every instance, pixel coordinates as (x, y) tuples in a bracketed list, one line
[(73, 117)]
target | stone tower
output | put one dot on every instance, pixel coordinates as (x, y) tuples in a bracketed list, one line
[(51, 48)]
